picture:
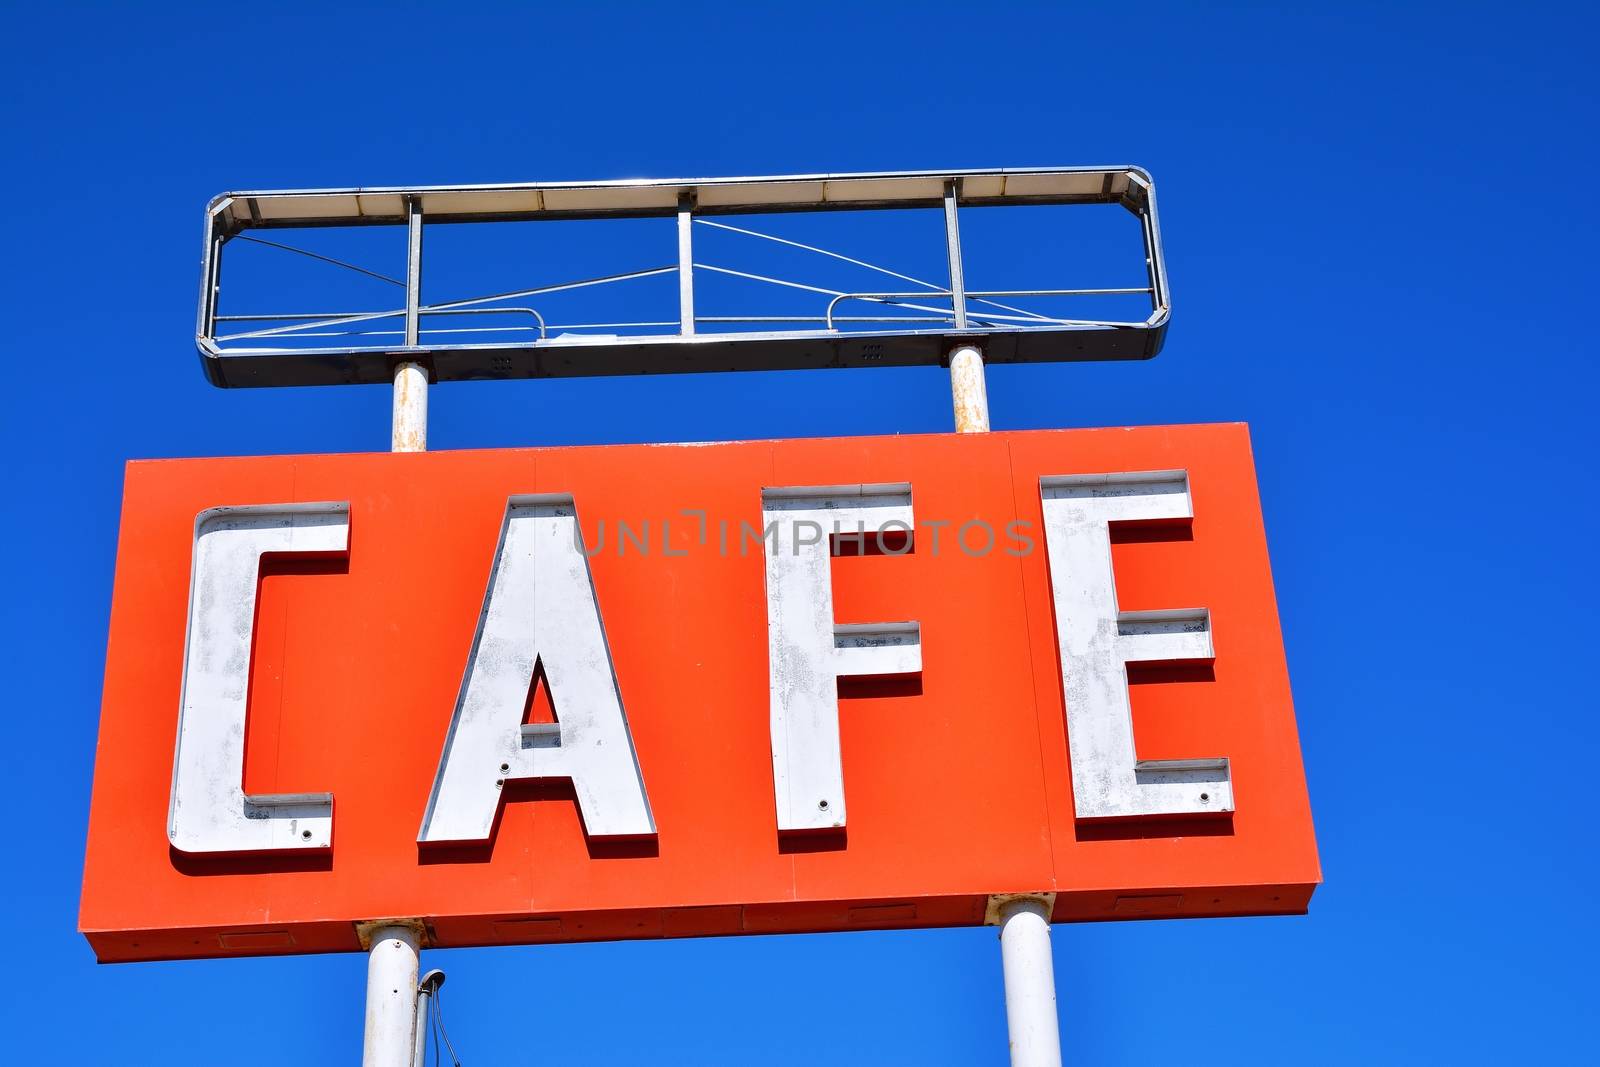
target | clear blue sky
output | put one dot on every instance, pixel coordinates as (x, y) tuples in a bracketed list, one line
[(1380, 240)]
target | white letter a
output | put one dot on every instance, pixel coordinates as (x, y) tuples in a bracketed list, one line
[(540, 610)]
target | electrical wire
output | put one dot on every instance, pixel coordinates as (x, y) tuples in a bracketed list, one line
[(440, 1031)]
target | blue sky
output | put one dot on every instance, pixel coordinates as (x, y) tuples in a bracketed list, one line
[(1379, 241)]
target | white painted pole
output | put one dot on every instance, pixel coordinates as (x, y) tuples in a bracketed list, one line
[(1024, 920), (409, 431), (968, 391), (393, 999), (1030, 983), (391, 1033), (409, 427), (392, 961)]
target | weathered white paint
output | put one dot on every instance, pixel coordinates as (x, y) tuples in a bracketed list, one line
[(408, 430), (1030, 981), (540, 609), (391, 1024), (1097, 641), (391, 1018), (209, 810), (969, 393), (808, 652)]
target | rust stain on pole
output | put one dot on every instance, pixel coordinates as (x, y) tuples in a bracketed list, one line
[(410, 427), (968, 391)]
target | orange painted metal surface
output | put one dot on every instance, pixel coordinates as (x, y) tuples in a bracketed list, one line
[(958, 783)]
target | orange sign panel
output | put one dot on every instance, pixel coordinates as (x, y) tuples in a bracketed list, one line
[(667, 691)]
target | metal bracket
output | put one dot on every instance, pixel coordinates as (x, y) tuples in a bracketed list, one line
[(366, 930), (991, 911)]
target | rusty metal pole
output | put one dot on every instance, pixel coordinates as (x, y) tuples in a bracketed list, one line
[(409, 428), (968, 392), (391, 1031), (409, 432)]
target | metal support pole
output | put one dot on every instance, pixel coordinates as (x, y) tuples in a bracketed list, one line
[(686, 263), (389, 1038), (413, 270), (425, 991), (1030, 982), (409, 426), (952, 240), (409, 432), (968, 391), (391, 1031)]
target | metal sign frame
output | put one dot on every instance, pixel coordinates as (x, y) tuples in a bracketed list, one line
[(1005, 337)]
